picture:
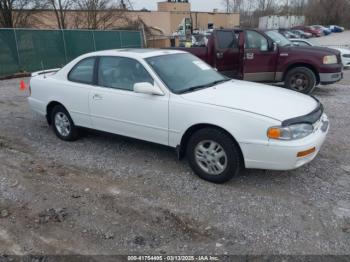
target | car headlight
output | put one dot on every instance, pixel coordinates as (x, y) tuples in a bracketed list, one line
[(346, 55), (330, 59), (292, 132)]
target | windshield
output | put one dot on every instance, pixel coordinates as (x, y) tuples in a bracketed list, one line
[(279, 39), (184, 72)]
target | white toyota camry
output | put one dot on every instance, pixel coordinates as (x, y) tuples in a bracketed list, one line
[(175, 99)]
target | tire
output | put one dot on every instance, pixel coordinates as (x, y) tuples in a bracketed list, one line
[(63, 125), (301, 79), (198, 153)]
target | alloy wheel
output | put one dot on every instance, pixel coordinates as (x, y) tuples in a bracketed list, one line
[(62, 124), (211, 157)]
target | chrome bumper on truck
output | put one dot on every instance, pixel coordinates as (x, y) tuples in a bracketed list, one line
[(330, 78)]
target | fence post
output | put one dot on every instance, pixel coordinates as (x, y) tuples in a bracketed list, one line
[(17, 49), (121, 40), (64, 46), (93, 39), (143, 37)]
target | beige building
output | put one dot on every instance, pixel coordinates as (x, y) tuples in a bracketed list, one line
[(166, 20), (170, 15)]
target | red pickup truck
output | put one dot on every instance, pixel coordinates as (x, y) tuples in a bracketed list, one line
[(267, 56)]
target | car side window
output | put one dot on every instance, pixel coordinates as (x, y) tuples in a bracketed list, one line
[(121, 73), (254, 40), (227, 39), (83, 72)]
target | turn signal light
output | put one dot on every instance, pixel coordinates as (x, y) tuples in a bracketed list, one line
[(307, 152), (274, 133)]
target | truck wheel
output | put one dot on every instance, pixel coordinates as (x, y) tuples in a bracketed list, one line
[(301, 79), (63, 125), (213, 155)]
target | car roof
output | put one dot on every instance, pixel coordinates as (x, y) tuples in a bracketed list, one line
[(140, 53)]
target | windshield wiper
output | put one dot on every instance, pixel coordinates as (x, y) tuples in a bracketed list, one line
[(211, 84)]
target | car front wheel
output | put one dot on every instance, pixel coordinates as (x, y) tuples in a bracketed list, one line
[(213, 155), (301, 79)]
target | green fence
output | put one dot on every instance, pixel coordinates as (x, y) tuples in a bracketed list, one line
[(28, 50)]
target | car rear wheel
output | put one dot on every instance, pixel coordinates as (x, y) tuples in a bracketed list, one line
[(301, 79), (63, 125), (213, 155)]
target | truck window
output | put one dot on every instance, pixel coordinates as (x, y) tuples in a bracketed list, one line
[(226, 39), (254, 40)]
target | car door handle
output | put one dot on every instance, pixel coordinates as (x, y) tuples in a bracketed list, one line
[(97, 97), (249, 56)]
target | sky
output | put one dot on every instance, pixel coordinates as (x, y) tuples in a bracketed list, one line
[(197, 5)]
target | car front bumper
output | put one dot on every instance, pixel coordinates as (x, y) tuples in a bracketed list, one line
[(283, 155), (330, 78)]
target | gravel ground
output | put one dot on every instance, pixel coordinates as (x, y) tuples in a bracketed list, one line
[(106, 194)]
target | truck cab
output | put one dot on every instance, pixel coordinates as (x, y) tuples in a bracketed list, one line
[(267, 56)]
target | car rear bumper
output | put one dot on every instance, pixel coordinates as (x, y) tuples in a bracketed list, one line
[(283, 155), (37, 106)]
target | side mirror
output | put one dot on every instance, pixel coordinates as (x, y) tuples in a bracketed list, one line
[(147, 88)]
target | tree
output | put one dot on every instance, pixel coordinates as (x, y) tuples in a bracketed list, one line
[(15, 13), (60, 8), (328, 12), (99, 14), (247, 8), (233, 5), (323, 12), (266, 7)]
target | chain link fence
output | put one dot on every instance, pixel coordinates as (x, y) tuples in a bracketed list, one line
[(28, 50)]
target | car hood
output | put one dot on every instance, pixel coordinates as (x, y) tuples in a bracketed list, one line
[(315, 50), (273, 102)]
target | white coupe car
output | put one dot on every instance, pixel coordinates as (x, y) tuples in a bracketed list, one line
[(175, 99)]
